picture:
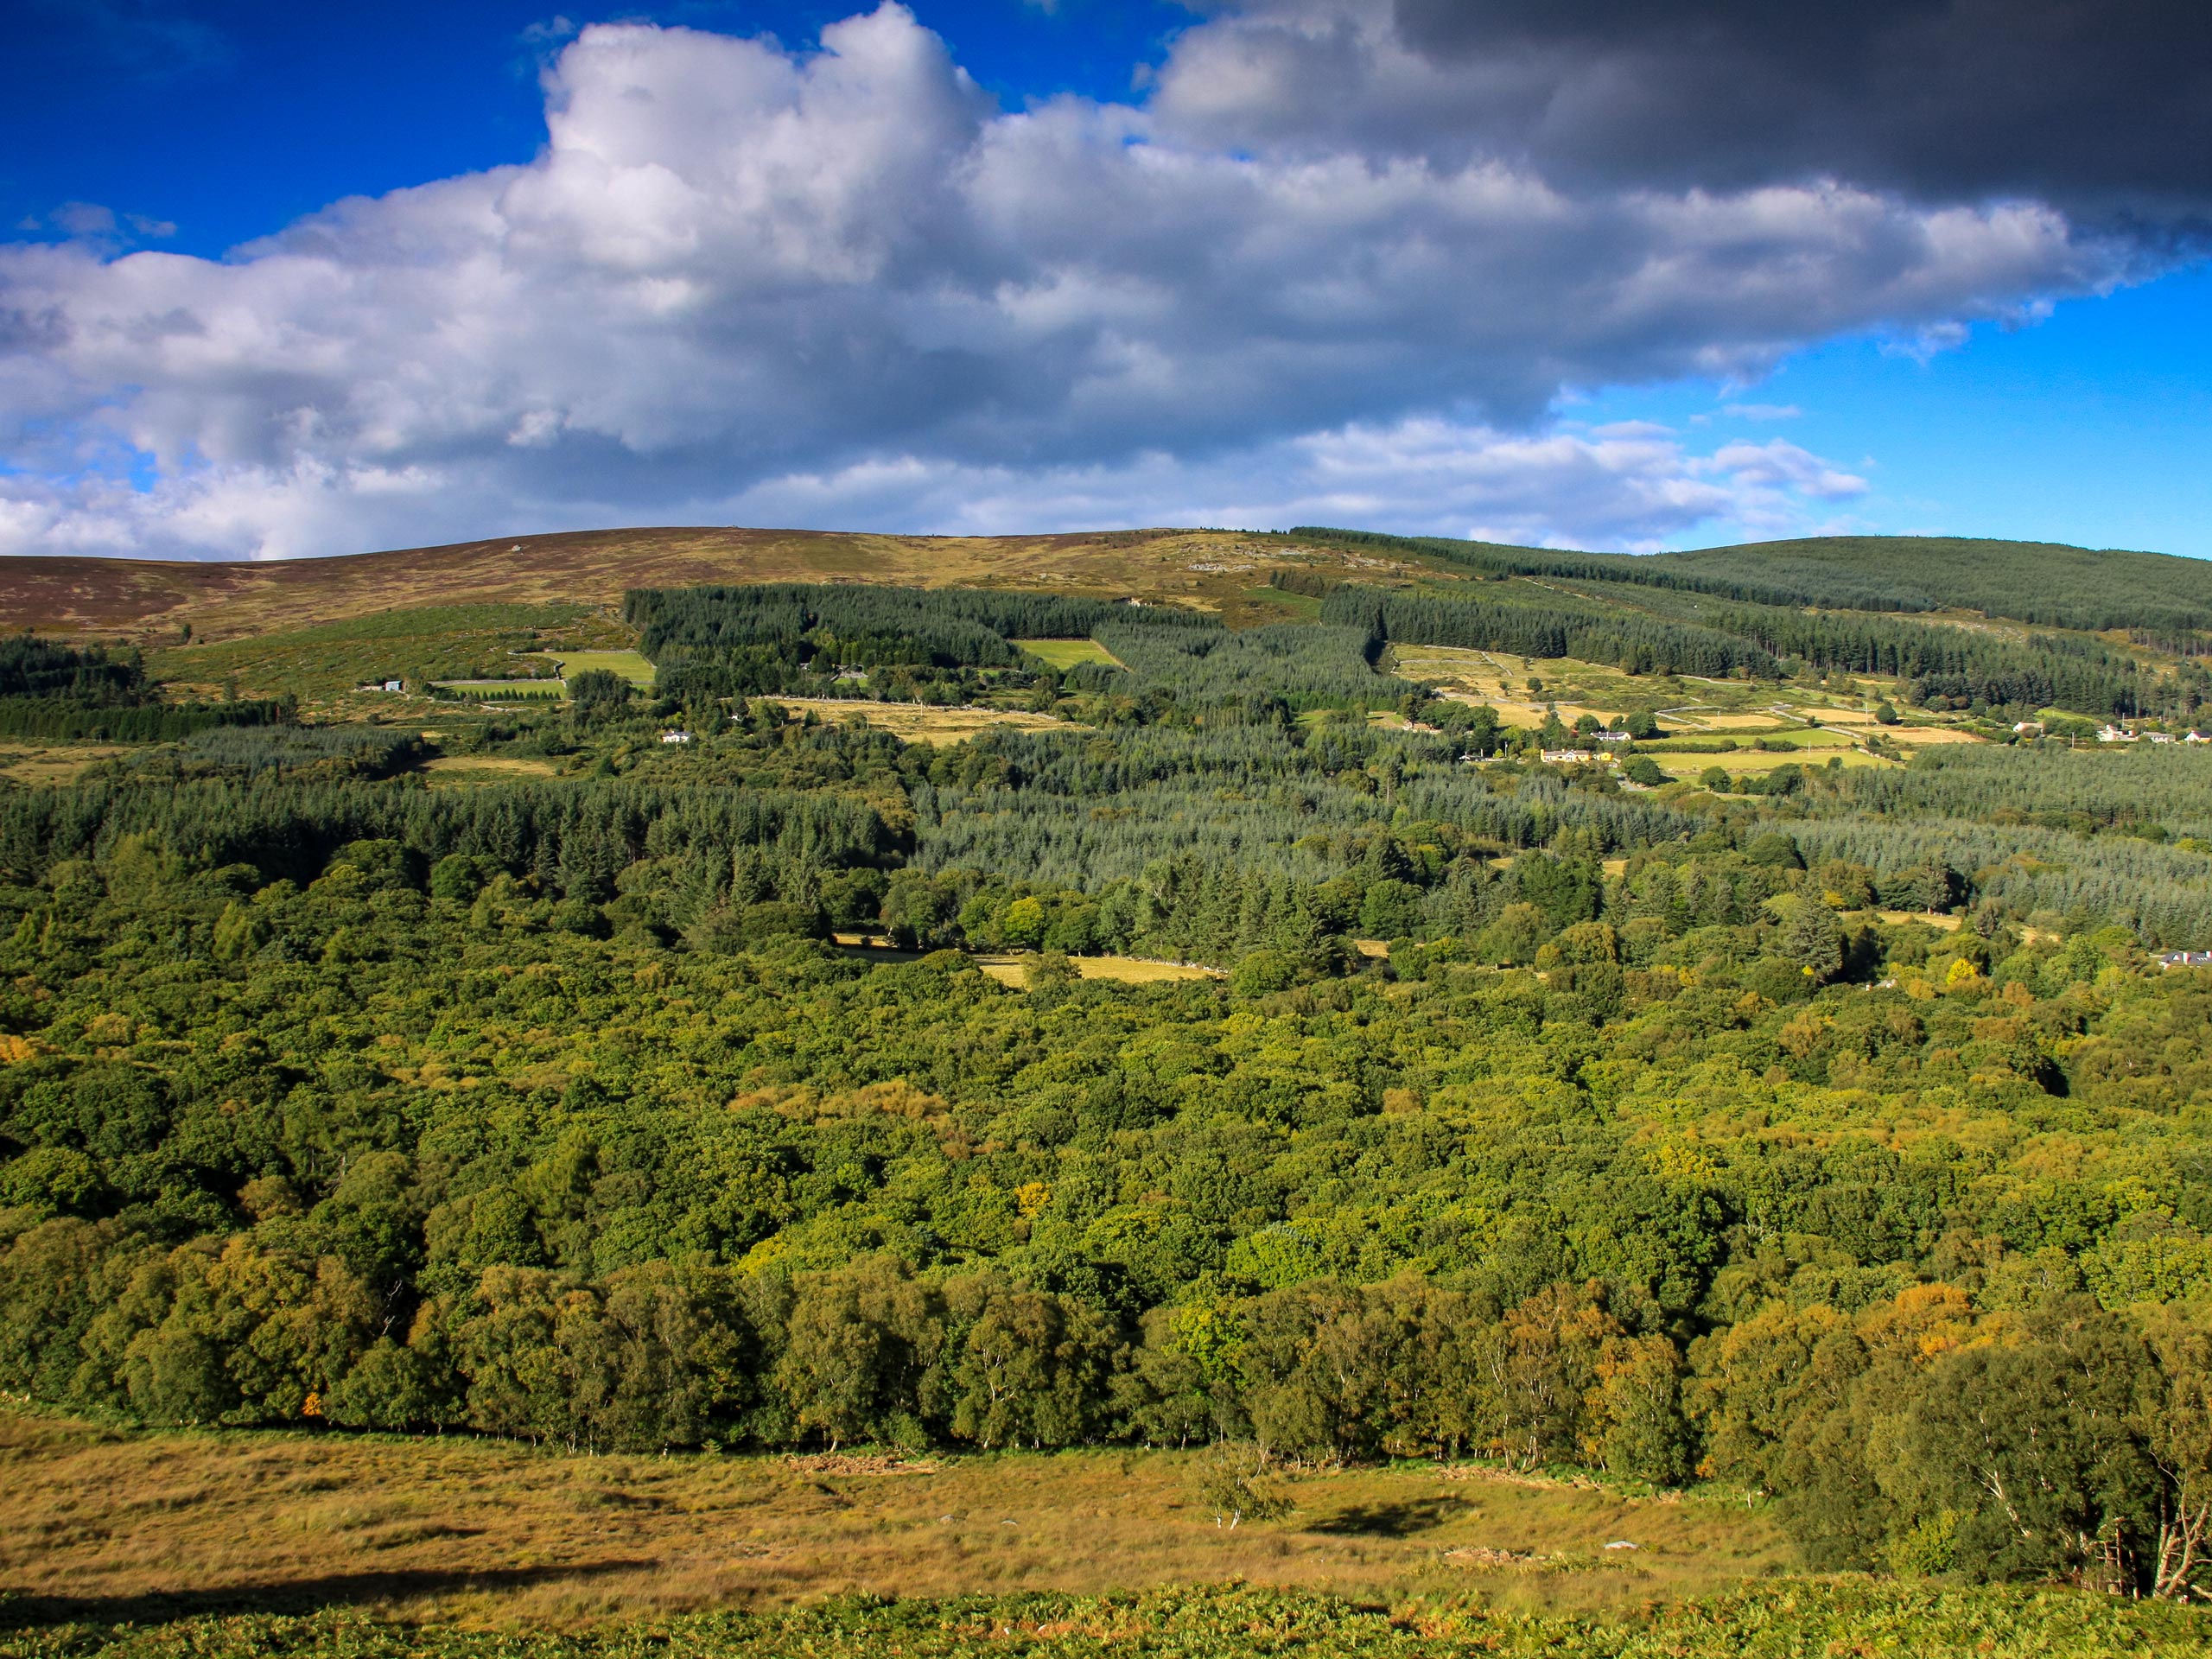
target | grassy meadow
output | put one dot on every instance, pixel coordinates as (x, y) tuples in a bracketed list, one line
[(1065, 654), (326, 664), (917, 723), (627, 663), (471, 1529), (212, 1545), (1121, 971)]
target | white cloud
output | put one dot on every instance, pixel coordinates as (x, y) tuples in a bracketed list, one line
[(1627, 484), (844, 288)]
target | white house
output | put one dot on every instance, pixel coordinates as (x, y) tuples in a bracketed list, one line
[(675, 737), (2109, 733)]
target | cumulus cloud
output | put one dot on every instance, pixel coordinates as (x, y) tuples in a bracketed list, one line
[(1634, 487), (843, 286)]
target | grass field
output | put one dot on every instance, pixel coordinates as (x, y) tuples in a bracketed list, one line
[(1743, 760), (324, 666), (627, 663), (1820, 737), (215, 1545), (29, 762), (1908, 736), (1063, 654), (476, 1530), (489, 769), (1685, 703), (917, 723), (1500, 681), (1123, 970), (1259, 607)]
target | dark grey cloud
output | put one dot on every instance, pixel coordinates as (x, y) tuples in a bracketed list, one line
[(2101, 107)]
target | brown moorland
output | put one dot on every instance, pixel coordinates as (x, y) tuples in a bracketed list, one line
[(142, 599), (106, 1524)]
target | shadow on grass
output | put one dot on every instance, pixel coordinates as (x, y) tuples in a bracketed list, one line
[(1392, 1520), (291, 1596)]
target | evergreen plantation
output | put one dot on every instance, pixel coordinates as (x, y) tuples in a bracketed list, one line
[(1833, 1135)]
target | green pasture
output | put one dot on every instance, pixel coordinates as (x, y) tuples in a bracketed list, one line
[(627, 663), (1063, 654)]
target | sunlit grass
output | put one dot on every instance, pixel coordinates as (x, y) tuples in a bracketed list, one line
[(94, 1514), (1063, 654), (627, 663)]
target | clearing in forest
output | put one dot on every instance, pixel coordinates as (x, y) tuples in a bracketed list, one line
[(1125, 971), (1909, 735), (1743, 760), (921, 722), (488, 768), (27, 760), (1063, 654), (627, 663)]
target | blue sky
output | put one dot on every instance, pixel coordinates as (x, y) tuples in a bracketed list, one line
[(2092, 426), (1261, 262), (230, 121)]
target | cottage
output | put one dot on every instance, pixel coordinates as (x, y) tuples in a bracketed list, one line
[(2111, 733), (1567, 757), (675, 737), (1611, 737)]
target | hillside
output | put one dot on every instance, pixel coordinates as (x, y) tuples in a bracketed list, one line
[(2045, 583), (638, 1078), (141, 600)]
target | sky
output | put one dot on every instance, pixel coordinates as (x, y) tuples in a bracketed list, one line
[(281, 280)]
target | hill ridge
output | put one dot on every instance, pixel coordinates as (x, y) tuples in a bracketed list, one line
[(2049, 583)]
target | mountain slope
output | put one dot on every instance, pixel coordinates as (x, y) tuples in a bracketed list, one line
[(138, 599), (2046, 583)]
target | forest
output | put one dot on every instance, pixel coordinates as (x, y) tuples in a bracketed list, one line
[(1840, 1141), (2042, 582)]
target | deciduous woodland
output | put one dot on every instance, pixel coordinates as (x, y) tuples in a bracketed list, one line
[(1835, 1135)]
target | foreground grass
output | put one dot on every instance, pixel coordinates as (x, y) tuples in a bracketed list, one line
[(1229, 1622), (220, 1546), (101, 1524)]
